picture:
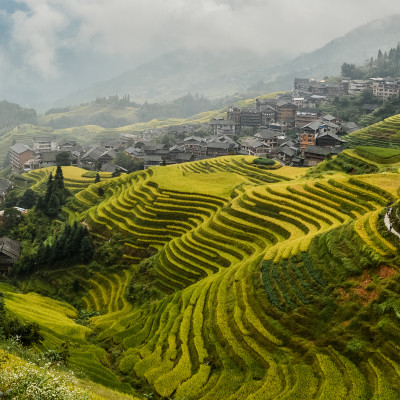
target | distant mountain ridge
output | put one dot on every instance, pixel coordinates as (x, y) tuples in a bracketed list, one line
[(216, 74)]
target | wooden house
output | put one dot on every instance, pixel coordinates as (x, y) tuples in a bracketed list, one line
[(10, 251)]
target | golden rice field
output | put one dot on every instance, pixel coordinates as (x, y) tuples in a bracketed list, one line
[(245, 258), (382, 134), (75, 179)]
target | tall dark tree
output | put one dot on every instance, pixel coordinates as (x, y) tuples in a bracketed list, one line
[(97, 179), (59, 179)]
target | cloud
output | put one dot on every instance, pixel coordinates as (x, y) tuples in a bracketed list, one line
[(130, 30), (82, 41)]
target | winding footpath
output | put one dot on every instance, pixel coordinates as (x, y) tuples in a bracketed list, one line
[(387, 223)]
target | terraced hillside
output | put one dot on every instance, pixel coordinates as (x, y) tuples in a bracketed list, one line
[(75, 179), (270, 285), (382, 134)]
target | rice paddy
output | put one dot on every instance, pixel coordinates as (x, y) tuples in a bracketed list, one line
[(248, 261)]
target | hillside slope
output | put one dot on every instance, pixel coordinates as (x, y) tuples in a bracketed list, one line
[(382, 134), (263, 283)]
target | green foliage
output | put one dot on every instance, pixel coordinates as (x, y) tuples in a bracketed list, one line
[(264, 161), (63, 158), (379, 154), (10, 327), (127, 162), (28, 199), (12, 115), (55, 196)]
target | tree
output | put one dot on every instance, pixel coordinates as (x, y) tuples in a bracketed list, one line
[(97, 179), (28, 199), (11, 219), (63, 158), (86, 250), (59, 179), (53, 206)]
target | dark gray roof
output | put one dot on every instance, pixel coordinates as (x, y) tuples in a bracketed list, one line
[(94, 153), (329, 134), (322, 150), (20, 148), (287, 151), (328, 117), (266, 134), (5, 185), (50, 156), (9, 247), (193, 139), (185, 157), (153, 146), (152, 158), (218, 145)]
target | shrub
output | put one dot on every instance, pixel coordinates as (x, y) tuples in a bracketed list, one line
[(264, 161)]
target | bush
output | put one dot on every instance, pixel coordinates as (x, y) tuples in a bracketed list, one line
[(264, 161)]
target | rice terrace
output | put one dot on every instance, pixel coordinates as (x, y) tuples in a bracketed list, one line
[(232, 280)]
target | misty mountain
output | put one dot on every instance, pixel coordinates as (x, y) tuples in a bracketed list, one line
[(209, 73), (356, 47), (217, 74)]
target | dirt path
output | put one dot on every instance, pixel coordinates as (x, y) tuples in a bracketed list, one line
[(387, 223)]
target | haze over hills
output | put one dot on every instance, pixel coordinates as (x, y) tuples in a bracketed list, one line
[(216, 74)]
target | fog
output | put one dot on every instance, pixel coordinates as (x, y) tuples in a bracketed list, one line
[(50, 47)]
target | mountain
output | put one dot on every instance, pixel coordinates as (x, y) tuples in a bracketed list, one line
[(356, 47), (216, 74), (212, 74)]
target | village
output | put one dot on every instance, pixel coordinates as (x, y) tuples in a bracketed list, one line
[(289, 128)]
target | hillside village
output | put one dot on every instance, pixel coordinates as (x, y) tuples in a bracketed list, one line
[(289, 128)]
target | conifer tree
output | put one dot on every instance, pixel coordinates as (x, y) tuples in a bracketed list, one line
[(59, 179), (97, 179)]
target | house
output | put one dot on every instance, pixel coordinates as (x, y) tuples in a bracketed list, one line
[(66, 145), (233, 114), (107, 156), (184, 157), (350, 127), (305, 115), (152, 160), (328, 139), (268, 136), (49, 158), (384, 87), (10, 250), (216, 149), (91, 156), (255, 147), (286, 113), (310, 131), (330, 118), (44, 143), (5, 187), (223, 127), (286, 153), (195, 145), (250, 117), (313, 155), (19, 155)]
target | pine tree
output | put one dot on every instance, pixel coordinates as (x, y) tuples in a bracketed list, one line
[(86, 249), (97, 179), (53, 205), (59, 179)]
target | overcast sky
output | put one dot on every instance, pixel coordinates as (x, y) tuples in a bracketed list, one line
[(47, 39)]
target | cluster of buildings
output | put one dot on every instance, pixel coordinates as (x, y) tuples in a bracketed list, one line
[(270, 119)]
